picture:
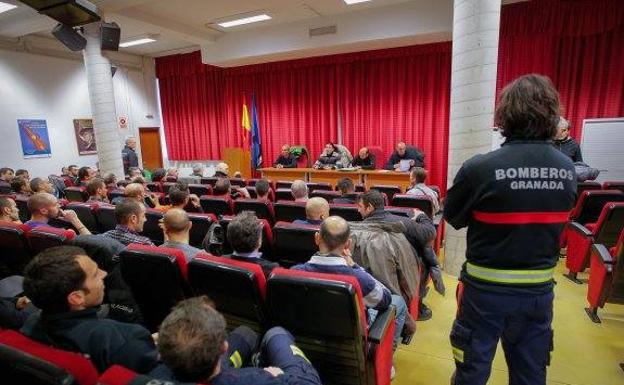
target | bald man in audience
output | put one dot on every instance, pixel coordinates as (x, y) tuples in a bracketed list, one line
[(137, 192), (176, 227), (44, 206), (9, 211), (38, 185), (317, 209), (299, 190)]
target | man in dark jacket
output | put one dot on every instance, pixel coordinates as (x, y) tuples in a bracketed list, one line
[(419, 231), (364, 159), (129, 155), (565, 143), (244, 234), (68, 287), (347, 191), (286, 159), (404, 152)]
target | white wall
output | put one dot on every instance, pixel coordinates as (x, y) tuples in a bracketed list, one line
[(35, 86)]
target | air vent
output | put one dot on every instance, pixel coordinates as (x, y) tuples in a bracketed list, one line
[(328, 30)]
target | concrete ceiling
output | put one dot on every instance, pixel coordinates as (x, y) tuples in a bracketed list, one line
[(188, 25)]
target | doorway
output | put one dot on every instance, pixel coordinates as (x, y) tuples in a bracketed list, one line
[(150, 147)]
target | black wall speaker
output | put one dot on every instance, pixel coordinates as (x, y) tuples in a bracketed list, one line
[(70, 38), (110, 36)]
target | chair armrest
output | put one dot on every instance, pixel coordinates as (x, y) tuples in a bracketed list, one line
[(378, 329), (579, 228), (603, 254)]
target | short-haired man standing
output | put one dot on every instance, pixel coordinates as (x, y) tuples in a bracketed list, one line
[(129, 155), (565, 143)]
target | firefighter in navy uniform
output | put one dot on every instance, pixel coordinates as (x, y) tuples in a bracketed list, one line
[(515, 202)]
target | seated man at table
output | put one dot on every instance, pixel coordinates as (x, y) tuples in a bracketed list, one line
[(329, 158), (364, 159), (299, 191), (286, 159), (419, 188), (317, 209), (347, 191), (404, 152)]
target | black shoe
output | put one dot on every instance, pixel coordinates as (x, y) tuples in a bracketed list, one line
[(424, 313)]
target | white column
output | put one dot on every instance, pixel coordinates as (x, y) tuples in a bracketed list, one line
[(102, 99), (473, 89)]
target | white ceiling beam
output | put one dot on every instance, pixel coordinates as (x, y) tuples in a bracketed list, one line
[(25, 21)]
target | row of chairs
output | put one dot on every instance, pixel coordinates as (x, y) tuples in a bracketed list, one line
[(593, 185), (339, 343)]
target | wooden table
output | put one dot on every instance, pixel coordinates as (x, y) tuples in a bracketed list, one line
[(367, 177)]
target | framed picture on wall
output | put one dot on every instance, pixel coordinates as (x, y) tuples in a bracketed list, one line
[(34, 137), (85, 136)]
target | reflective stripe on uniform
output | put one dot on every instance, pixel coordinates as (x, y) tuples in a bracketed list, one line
[(236, 359), (458, 354), (509, 276), (298, 352)]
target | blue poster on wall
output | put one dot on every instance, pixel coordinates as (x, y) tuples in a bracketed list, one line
[(35, 139)]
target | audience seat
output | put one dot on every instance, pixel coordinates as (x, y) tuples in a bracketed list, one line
[(289, 211), (267, 237), (240, 182), (200, 189), (358, 188), (151, 227), (326, 315), (313, 186), (118, 375), (402, 211), (201, 225), (113, 194), (606, 277), (587, 186), (15, 250), (283, 194), (22, 206), (217, 205), (76, 194), (157, 278), (389, 190), (86, 213), (167, 186), (155, 186), (105, 215), (293, 243), (5, 188), (24, 361), (41, 238), (329, 196), (287, 184), (347, 211), (613, 185), (425, 203), (237, 288), (252, 182), (604, 231), (263, 209), (209, 181)]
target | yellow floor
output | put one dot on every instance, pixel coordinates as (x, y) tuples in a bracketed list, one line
[(585, 353)]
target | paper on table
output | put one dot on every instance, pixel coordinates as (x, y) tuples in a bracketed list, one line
[(404, 165)]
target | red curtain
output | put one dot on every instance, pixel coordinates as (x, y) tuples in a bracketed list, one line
[(578, 44)]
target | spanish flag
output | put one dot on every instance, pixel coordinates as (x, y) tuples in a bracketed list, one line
[(245, 123)]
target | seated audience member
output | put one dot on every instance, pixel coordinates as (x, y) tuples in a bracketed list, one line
[(68, 287), (364, 159), (329, 158), (6, 174), (85, 174), (244, 233), (22, 173), (38, 185), (404, 152), (347, 191), (176, 227), (222, 170), (21, 186), (64, 171), (96, 188), (130, 218), (137, 191), (334, 257), (134, 172), (237, 174), (223, 187), (262, 190), (159, 175), (419, 188), (286, 159), (110, 180), (180, 198), (419, 231), (72, 172), (44, 206), (172, 173), (198, 170), (195, 348), (317, 209), (9, 211), (299, 190)]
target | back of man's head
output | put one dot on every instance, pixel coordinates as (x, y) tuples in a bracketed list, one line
[(198, 169), (299, 189), (245, 232), (110, 178), (134, 190), (19, 184), (158, 175), (40, 201), (419, 174), (262, 188), (52, 275), (334, 232), (176, 221), (6, 204), (36, 184), (125, 209), (83, 173), (178, 197), (346, 186), (221, 187), (94, 185), (373, 198), (191, 340), (222, 168), (317, 208)]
